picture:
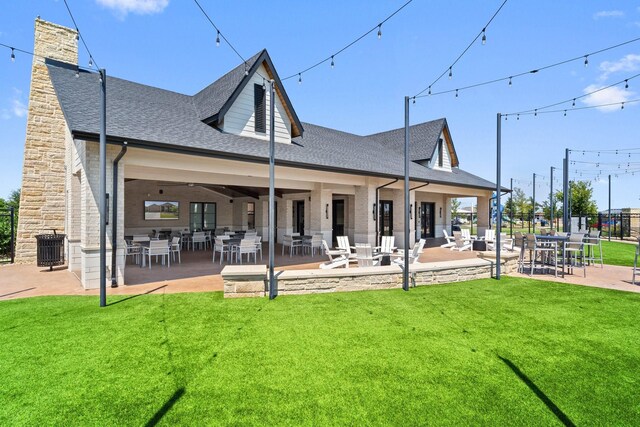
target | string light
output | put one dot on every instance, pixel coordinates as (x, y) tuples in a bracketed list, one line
[(528, 72), (565, 113), (450, 73), (377, 27), (429, 91), (332, 63), (456, 93), (586, 60), (484, 37), (414, 99), (299, 78), (510, 81), (246, 69), (574, 102), (79, 36), (13, 55), (622, 106), (90, 62), (626, 84)]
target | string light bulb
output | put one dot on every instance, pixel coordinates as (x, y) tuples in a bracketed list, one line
[(626, 84), (484, 37), (622, 106), (574, 102), (77, 73), (510, 81), (450, 73), (246, 69), (414, 99), (13, 55), (332, 63), (379, 31), (456, 93), (565, 113), (77, 34), (429, 90), (90, 61), (518, 117), (218, 39), (264, 84), (586, 60), (535, 112), (299, 78)]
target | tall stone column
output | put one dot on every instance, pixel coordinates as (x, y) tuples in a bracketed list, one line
[(364, 223), (42, 199), (483, 215), (321, 214)]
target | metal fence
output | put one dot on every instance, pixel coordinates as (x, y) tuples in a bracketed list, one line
[(7, 235), (622, 225)]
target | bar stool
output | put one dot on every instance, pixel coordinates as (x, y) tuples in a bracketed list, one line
[(574, 248), (591, 241)]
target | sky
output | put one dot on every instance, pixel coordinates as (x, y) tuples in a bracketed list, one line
[(169, 44)]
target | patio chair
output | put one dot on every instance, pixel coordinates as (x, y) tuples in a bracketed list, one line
[(312, 244), (450, 240), (199, 239), (591, 241), (466, 234), (289, 242), (635, 263), (489, 236), (543, 248), (507, 243), (460, 243), (414, 255), (133, 251), (157, 248), (246, 247), (519, 244), (141, 238), (573, 253), (185, 238), (386, 245), (207, 239), (344, 245), (219, 245), (175, 249), (337, 258), (365, 257), (258, 240), (543, 231)]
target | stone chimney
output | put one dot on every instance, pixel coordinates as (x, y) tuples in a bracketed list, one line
[(42, 199)]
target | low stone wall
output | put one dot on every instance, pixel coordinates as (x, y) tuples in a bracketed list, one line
[(250, 281)]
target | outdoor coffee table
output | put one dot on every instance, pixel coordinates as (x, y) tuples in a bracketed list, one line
[(479, 245)]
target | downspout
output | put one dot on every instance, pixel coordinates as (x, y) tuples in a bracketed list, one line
[(377, 217), (114, 220)]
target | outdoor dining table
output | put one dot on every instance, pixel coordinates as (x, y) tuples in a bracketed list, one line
[(559, 241), (143, 245)]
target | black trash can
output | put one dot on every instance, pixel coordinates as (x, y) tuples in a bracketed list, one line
[(50, 249)]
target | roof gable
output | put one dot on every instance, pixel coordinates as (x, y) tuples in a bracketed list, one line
[(423, 140), (214, 101)]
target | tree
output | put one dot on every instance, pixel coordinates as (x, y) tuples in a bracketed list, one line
[(522, 204), (455, 205), (5, 224), (582, 202)]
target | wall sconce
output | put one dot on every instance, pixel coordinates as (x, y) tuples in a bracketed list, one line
[(373, 212), (326, 211), (418, 210), (230, 200), (107, 209), (411, 211), (440, 211), (161, 191)]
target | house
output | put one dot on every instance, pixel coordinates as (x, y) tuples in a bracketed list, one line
[(208, 153)]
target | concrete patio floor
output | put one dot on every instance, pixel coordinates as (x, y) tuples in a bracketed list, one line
[(197, 273)]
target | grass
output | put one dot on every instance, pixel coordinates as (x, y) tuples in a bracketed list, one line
[(517, 351), (617, 253)]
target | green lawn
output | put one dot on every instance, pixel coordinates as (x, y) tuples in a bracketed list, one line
[(516, 352), (616, 253)]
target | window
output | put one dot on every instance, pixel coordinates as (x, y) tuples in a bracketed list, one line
[(260, 108), (202, 216), (251, 216), (440, 153)]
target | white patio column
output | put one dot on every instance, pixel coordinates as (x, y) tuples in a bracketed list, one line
[(262, 211), (284, 218), (364, 223), (321, 213), (446, 215), (482, 215)]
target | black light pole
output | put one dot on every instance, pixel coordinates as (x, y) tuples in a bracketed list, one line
[(551, 204), (609, 207), (498, 192), (405, 273), (12, 240), (534, 203), (566, 213), (272, 217), (103, 188), (511, 209)]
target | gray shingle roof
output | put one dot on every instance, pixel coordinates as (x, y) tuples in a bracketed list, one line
[(212, 98), (423, 139), (147, 115)]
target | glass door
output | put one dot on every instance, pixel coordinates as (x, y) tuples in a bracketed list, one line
[(427, 220), (385, 221), (338, 220)]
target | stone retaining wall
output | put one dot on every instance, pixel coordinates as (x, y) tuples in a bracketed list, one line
[(250, 281)]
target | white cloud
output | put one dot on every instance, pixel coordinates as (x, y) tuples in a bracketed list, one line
[(141, 7), (608, 14), (612, 95), (627, 63), (17, 107)]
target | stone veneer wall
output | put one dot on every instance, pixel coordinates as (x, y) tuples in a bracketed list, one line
[(251, 281), (42, 199)]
